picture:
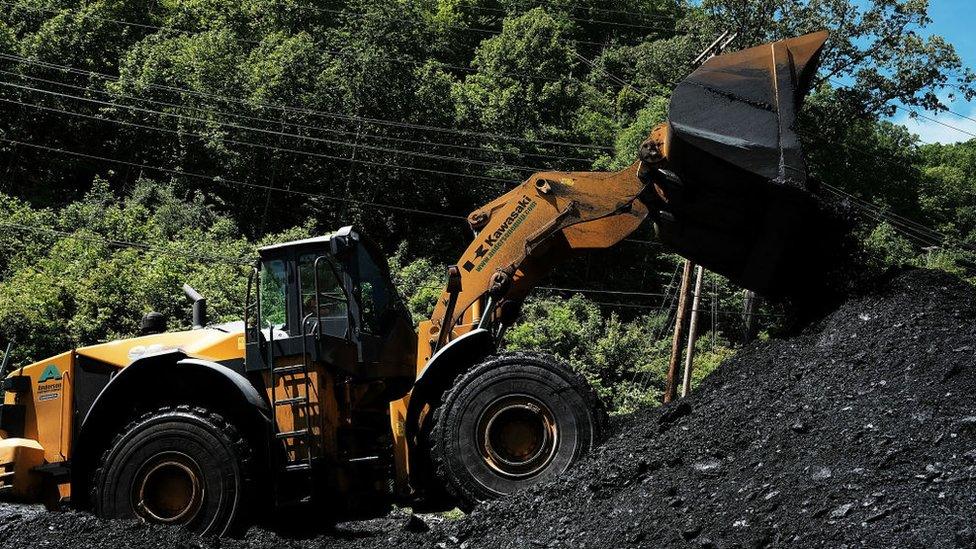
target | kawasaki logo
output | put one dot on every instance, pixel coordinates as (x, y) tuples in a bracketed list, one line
[(501, 234), (49, 373)]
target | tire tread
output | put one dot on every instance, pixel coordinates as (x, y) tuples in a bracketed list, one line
[(438, 453), (240, 444)]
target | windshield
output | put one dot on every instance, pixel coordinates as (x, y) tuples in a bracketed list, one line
[(274, 301)]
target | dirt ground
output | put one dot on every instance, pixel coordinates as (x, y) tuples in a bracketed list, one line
[(860, 431)]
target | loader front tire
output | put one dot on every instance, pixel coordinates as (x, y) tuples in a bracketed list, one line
[(178, 465), (512, 421)]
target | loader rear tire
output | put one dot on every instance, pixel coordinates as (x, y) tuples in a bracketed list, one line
[(178, 465), (512, 421)]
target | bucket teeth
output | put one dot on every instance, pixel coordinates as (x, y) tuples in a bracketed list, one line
[(6, 478)]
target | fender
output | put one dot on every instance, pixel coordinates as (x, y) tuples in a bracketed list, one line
[(246, 388), (133, 378), (158, 378), (449, 362)]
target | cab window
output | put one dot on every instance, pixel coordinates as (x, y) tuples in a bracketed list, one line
[(274, 301), (333, 309)]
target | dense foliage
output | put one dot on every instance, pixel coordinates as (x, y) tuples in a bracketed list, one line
[(143, 145)]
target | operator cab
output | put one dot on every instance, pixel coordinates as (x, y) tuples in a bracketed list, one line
[(332, 299)]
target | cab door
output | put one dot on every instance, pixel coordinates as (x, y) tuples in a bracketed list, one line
[(388, 342), (324, 310)]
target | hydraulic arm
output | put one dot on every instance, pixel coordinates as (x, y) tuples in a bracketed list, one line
[(523, 233), (723, 180)]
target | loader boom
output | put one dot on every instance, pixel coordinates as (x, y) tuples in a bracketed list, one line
[(723, 180), (521, 234)]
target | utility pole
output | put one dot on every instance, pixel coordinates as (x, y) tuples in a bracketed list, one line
[(671, 385), (692, 334), (749, 303), (714, 310)]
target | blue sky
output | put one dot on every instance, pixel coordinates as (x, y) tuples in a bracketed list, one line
[(954, 20)]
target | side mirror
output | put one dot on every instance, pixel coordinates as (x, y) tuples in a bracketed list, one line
[(152, 323), (342, 241)]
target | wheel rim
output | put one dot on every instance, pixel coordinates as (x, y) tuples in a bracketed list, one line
[(168, 489), (517, 436)]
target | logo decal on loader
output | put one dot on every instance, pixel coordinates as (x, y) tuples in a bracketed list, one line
[(49, 373), (493, 242)]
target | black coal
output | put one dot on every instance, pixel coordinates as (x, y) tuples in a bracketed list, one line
[(858, 432)]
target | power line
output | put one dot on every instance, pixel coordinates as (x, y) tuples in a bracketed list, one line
[(575, 290), (915, 113), (929, 237), (314, 112), (918, 233), (608, 292), (659, 17), (197, 135), (127, 244), (210, 257), (608, 10), (419, 154), (915, 231), (878, 210), (269, 147), (724, 312), (224, 181), (584, 19), (492, 32), (624, 305), (971, 119), (613, 78), (935, 120), (262, 146), (258, 43), (292, 124), (145, 246), (924, 236)]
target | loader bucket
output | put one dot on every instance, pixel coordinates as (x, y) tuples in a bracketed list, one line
[(742, 204)]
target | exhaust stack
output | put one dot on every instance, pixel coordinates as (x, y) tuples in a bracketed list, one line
[(199, 306)]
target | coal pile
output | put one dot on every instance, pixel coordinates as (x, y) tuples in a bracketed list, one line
[(858, 432), (23, 526)]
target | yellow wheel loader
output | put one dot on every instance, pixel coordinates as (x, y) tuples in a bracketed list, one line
[(324, 392)]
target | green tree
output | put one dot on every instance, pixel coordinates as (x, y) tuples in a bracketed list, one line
[(76, 280), (878, 45)]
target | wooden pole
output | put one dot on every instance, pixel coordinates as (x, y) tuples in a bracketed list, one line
[(714, 310), (749, 302), (671, 385), (692, 335)]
